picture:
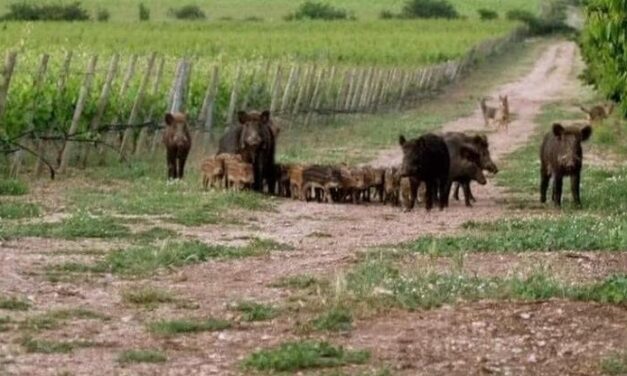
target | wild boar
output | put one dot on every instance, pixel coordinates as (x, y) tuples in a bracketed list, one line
[(178, 142), (212, 170), (561, 155), (426, 159)]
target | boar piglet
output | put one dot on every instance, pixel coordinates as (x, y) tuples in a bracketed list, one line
[(321, 181), (561, 155)]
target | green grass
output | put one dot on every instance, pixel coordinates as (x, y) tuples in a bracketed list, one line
[(252, 311), (582, 232), (127, 10), (142, 356), (5, 322), (12, 187), (381, 284), (80, 224), (18, 210), (14, 304), (155, 233), (142, 260), (297, 282), (615, 364), (56, 318), (52, 347), (147, 296), (337, 319), (186, 326), (344, 42), (295, 356), (183, 203)]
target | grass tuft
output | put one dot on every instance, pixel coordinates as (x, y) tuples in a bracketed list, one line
[(183, 326), (12, 187), (14, 304), (615, 364), (18, 210), (142, 356), (337, 319), (294, 356), (147, 296), (50, 347), (251, 311)]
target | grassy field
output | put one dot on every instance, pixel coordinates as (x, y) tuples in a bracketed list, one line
[(381, 43), (126, 10)]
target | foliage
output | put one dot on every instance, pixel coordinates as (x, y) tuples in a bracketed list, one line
[(487, 14), (252, 311), (335, 320), (144, 12), (12, 187), (604, 46), (294, 356), (551, 20), (312, 10), (429, 9), (188, 12), (51, 347), (18, 210), (103, 15), (25, 11)]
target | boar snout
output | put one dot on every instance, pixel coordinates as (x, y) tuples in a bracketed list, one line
[(491, 168), (568, 161)]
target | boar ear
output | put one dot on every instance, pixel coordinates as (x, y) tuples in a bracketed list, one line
[(586, 132), (242, 117), (558, 129), (265, 116), (169, 119), (402, 140)]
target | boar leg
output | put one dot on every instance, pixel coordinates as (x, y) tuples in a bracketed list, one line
[(467, 193), (574, 187), (431, 186), (171, 158), (444, 187), (557, 189), (456, 191), (181, 165), (544, 183)]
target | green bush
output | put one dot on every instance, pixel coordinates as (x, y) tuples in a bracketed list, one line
[(487, 14), (144, 12), (387, 15), (187, 12), (551, 20), (103, 15), (429, 9), (319, 11), (46, 12), (604, 42)]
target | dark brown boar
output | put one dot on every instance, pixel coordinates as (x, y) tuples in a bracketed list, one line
[(283, 179), (426, 159), (177, 142), (466, 167), (455, 141), (254, 138), (561, 155)]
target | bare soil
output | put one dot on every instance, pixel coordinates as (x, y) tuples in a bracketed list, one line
[(545, 338)]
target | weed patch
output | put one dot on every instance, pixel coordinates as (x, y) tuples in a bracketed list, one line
[(251, 311), (14, 304), (294, 356), (183, 326), (147, 296), (337, 319), (142, 356), (12, 187), (32, 345), (18, 210)]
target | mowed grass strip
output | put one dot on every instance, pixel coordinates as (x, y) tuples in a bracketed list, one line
[(303, 355), (80, 224), (142, 260), (381, 284), (18, 210)]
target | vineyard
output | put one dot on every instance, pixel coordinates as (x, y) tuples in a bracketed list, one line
[(90, 95), (126, 10)]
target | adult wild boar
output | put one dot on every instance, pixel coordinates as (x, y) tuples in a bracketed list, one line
[(177, 142), (561, 155), (254, 138), (426, 158), (455, 141)]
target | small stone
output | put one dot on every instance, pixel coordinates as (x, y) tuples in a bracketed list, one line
[(525, 316), (532, 358)]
